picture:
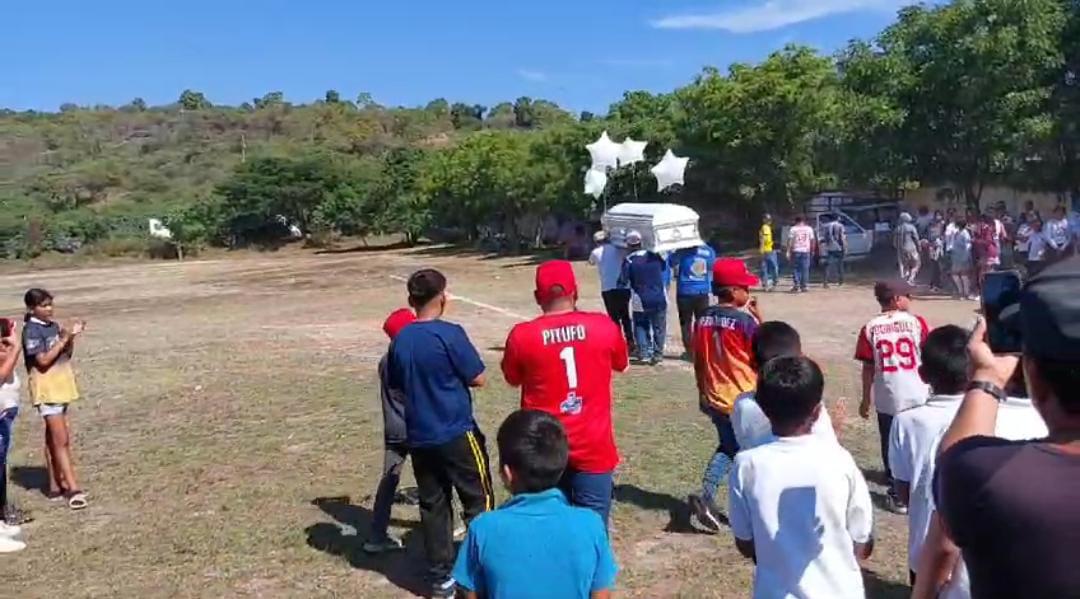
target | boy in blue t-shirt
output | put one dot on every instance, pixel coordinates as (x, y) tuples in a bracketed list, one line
[(693, 283), (536, 544), (434, 363)]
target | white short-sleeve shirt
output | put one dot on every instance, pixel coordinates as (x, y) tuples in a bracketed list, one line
[(913, 436), (804, 503), (1017, 420), (608, 261), (752, 427), (802, 239)]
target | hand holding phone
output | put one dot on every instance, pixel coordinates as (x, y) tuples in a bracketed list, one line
[(1000, 290), (986, 365)]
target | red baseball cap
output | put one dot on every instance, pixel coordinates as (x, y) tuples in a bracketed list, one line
[(555, 279), (732, 272), (398, 319)]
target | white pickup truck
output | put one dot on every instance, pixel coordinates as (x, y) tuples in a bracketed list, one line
[(859, 240)]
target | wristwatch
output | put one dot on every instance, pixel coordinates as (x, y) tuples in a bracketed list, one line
[(988, 388)]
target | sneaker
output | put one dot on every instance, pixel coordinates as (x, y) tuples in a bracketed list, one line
[(655, 360), (459, 533), (445, 589), (9, 530), (11, 545), (387, 545), (895, 506), (704, 514)]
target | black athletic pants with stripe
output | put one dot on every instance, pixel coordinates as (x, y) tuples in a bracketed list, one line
[(461, 464)]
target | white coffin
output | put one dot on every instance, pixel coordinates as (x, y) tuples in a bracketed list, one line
[(663, 227)]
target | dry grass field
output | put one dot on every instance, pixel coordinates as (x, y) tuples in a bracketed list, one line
[(230, 440)]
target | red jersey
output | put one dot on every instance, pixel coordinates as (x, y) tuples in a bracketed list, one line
[(723, 362), (563, 363)]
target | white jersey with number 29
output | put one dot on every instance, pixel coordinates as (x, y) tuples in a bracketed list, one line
[(892, 342)]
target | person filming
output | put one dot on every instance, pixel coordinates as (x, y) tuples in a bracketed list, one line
[(1013, 507)]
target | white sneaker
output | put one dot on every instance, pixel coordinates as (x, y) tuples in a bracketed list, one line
[(11, 545), (9, 530)]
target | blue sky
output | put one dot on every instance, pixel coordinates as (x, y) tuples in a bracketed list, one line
[(580, 53)]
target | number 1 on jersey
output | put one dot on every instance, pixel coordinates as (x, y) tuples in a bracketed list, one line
[(567, 356)]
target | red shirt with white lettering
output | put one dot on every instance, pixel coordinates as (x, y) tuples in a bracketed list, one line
[(892, 342), (563, 363)]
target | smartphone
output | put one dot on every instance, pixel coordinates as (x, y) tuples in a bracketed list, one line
[(1001, 290), (6, 326)]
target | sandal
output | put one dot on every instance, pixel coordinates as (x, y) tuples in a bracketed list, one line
[(76, 500)]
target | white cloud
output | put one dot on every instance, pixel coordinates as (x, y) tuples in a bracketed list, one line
[(531, 75), (769, 15)]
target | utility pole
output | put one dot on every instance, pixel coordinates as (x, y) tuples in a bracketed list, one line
[(243, 148)]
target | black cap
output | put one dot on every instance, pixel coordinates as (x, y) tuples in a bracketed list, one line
[(1048, 313), (885, 291)]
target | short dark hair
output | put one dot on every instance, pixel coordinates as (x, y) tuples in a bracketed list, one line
[(775, 339), (1063, 378), (533, 445), (724, 293), (800, 219), (789, 389), (425, 285), (36, 297), (945, 359)]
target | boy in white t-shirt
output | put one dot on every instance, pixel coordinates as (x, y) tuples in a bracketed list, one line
[(914, 432), (941, 573), (889, 347), (799, 506), (772, 340)]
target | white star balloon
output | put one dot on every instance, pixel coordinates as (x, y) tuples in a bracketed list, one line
[(604, 152), (595, 182), (631, 152), (670, 171)]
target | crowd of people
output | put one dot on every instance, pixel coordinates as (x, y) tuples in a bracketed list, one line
[(953, 250), (47, 348), (987, 474)]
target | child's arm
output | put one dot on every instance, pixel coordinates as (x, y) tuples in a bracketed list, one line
[(739, 514), (936, 562), (860, 514), (867, 387), (604, 594), (46, 359), (12, 350)]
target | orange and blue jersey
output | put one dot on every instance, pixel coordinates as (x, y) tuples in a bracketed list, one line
[(723, 359)]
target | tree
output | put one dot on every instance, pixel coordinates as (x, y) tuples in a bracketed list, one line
[(270, 100), (439, 107), (332, 96), (193, 100), (586, 116), (983, 72), (524, 117), (760, 130), (502, 116), (467, 117), (364, 100)]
